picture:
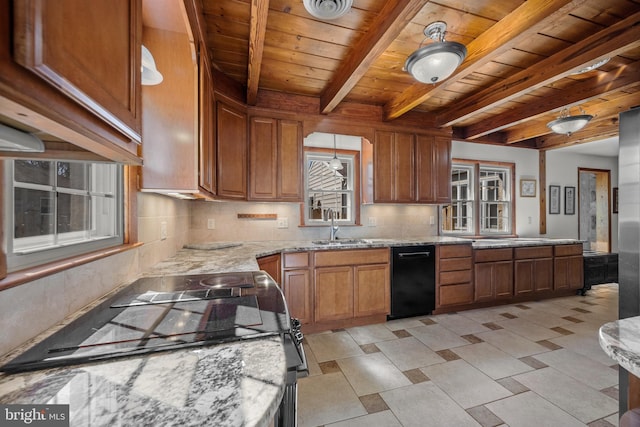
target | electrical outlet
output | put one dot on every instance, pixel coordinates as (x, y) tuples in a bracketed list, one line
[(211, 224), (283, 223), (432, 220), (372, 221), (163, 230)]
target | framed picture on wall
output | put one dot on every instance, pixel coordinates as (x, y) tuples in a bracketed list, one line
[(614, 203), (569, 200), (527, 188), (554, 199)]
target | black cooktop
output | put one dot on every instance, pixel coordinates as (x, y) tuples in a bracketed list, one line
[(165, 313)]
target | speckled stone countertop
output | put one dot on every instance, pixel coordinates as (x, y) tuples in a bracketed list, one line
[(620, 339), (239, 384), (227, 385)]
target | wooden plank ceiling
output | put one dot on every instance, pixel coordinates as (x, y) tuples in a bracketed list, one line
[(519, 73)]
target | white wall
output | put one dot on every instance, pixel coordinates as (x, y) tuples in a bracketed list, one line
[(31, 308), (562, 170)]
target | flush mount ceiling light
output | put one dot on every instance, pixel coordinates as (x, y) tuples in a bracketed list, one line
[(150, 74), (593, 66), (567, 124), (335, 163), (327, 9), (436, 61)]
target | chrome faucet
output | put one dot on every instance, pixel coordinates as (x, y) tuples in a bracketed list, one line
[(333, 230)]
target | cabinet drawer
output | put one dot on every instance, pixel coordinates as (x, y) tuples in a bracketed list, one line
[(451, 277), (488, 255), (295, 260), (530, 252), (455, 264), (456, 294), (454, 251), (566, 250), (351, 257)]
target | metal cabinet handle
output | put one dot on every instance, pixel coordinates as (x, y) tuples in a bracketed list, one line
[(414, 254)]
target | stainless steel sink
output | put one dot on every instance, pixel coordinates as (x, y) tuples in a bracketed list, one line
[(339, 242)]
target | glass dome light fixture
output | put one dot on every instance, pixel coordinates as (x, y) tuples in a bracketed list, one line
[(150, 74), (567, 124), (335, 163), (437, 61)]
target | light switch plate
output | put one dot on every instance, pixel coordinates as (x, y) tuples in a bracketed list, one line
[(283, 222), (211, 224), (163, 230), (372, 221)]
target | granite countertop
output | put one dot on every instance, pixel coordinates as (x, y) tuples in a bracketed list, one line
[(620, 339), (239, 384)]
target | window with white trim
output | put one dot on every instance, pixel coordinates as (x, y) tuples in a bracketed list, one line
[(481, 187), (56, 209), (328, 190)]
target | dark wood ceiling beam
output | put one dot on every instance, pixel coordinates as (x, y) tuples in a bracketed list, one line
[(394, 16), (598, 86), (257, 32), (527, 20), (611, 41), (606, 110)]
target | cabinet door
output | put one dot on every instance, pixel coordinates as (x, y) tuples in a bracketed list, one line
[(333, 294), (503, 279), (231, 140), (371, 293), (483, 282), (383, 167), (100, 71), (207, 146), (543, 274), (523, 277), (442, 169), (425, 169), (290, 168), (297, 292), (404, 170), (272, 265), (568, 273), (263, 157)]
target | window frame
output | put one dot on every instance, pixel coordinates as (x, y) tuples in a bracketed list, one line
[(349, 156), (478, 205), (34, 258)]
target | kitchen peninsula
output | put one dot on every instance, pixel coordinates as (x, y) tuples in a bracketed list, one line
[(232, 384)]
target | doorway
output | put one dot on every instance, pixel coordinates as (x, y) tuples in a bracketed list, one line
[(594, 208)]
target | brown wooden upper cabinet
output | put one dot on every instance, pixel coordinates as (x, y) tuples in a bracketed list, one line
[(411, 168), (275, 160), (90, 51), (207, 141), (231, 139)]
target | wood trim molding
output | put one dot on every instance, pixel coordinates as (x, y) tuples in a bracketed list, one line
[(542, 173)]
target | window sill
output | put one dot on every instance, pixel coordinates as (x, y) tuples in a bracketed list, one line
[(30, 274)]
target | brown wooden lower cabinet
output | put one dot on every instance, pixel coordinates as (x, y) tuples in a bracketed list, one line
[(296, 285), (272, 265), (568, 270), (454, 275), (493, 274), (533, 269)]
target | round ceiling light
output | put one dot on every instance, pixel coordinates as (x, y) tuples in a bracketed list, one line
[(567, 124), (327, 9), (437, 61)]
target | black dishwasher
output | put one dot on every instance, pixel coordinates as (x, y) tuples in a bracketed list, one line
[(413, 281)]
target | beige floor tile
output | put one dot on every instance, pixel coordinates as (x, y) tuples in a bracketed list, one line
[(333, 346), (371, 334), (410, 322), (492, 361), (425, 405), (587, 371), (586, 345), (385, 418), (465, 384), (326, 399), (579, 400), (437, 337), (409, 353), (460, 325), (530, 410), (372, 373), (528, 329), (512, 343), (613, 419)]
